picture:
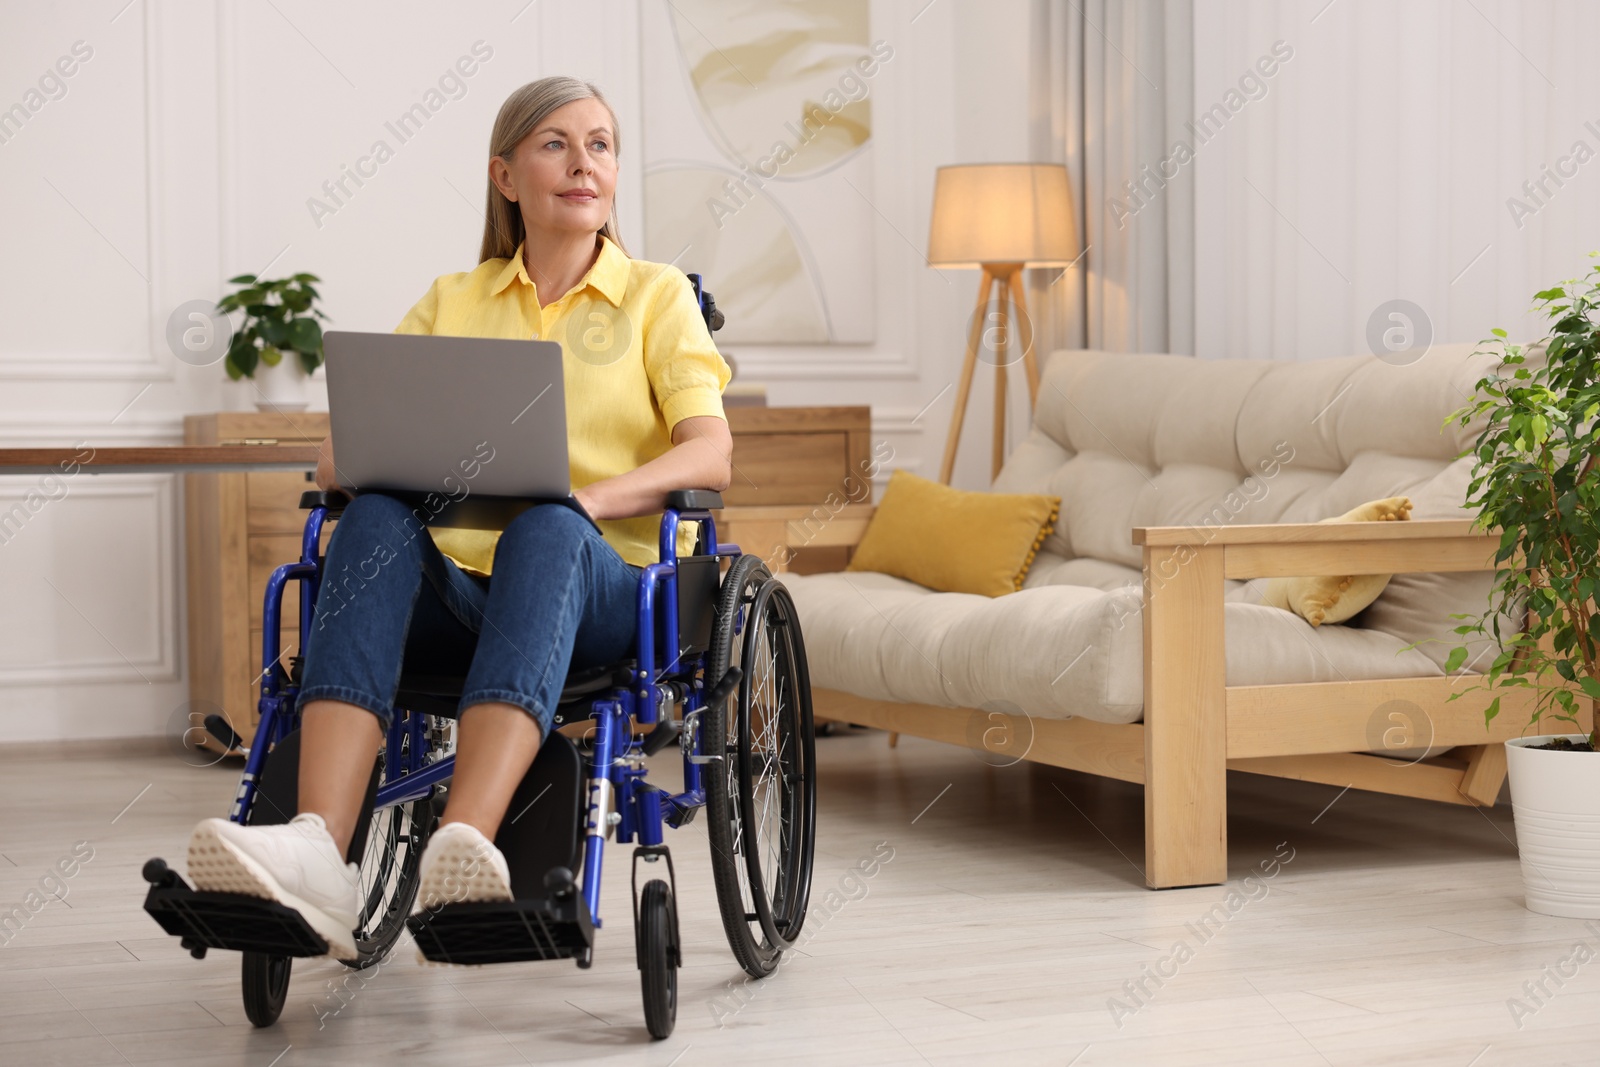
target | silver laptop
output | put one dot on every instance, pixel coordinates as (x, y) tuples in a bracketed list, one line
[(469, 430)]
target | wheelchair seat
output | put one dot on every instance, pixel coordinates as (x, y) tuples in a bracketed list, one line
[(430, 694)]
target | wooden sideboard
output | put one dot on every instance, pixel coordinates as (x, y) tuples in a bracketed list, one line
[(813, 457), (240, 525)]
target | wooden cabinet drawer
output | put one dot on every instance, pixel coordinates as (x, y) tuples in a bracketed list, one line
[(272, 502), (782, 468)]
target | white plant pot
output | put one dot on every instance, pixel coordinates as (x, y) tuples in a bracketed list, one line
[(1555, 799), (281, 388)]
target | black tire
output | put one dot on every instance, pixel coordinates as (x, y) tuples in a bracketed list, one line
[(265, 980), (777, 765), (658, 959), (765, 779)]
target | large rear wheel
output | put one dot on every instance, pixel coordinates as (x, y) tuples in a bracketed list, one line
[(390, 869), (391, 863), (761, 795)]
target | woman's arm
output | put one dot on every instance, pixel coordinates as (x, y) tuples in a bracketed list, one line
[(700, 458), (327, 474)]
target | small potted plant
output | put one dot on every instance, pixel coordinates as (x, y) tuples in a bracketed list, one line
[(279, 321), (1534, 480)]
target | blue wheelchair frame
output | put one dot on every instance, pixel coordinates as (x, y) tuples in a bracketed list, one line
[(614, 773)]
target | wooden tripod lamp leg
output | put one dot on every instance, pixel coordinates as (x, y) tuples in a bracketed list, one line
[(1000, 347), (1024, 325), (974, 335)]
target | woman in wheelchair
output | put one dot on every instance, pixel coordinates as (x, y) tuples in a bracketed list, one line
[(512, 610)]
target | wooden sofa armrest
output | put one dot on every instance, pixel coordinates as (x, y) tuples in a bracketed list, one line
[(1196, 726), (775, 531), (1300, 548)]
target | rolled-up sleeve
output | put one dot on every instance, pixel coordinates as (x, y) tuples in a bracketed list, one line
[(687, 373)]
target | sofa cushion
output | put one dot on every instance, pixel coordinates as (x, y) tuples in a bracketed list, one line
[(1334, 598), (954, 540), (1054, 651), (1410, 607)]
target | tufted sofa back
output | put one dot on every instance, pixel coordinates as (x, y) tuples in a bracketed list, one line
[(1144, 439), (1151, 440)]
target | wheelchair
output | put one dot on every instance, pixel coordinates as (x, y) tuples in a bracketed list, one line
[(719, 670)]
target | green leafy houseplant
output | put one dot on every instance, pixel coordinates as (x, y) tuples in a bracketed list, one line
[(278, 318), (1534, 479)]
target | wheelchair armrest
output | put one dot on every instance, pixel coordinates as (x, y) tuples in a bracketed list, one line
[(315, 498), (694, 500)]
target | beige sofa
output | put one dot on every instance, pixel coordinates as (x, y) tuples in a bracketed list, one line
[(1139, 647)]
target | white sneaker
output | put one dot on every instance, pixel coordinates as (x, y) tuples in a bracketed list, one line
[(459, 865), (296, 864)]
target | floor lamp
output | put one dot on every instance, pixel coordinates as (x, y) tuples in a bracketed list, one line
[(999, 217)]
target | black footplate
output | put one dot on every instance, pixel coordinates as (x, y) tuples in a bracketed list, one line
[(539, 837), (206, 920), (506, 931)]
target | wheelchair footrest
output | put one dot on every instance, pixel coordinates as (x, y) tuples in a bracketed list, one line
[(232, 921), (508, 931)]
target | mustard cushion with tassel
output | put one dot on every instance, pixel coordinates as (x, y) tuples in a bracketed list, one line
[(1335, 598), (953, 540)]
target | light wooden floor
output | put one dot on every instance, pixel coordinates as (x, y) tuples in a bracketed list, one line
[(1011, 914)]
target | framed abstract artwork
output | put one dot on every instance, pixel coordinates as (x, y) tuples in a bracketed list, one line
[(757, 161)]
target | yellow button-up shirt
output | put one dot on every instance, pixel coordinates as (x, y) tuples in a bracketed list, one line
[(637, 359)]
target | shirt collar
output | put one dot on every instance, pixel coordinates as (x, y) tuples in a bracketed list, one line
[(609, 274)]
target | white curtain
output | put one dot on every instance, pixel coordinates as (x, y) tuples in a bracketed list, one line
[(1111, 88), (1441, 153)]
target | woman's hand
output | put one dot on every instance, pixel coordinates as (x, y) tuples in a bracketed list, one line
[(327, 476), (588, 498)]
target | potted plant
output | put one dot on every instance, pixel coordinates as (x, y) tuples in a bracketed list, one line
[(1534, 480), (279, 321)]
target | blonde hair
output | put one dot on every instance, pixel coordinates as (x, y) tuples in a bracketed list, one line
[(519, 116)]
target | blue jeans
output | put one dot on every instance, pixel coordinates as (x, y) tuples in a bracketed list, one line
[(560, 599)]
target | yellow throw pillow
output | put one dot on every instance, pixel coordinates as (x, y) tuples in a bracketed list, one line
[(952, 540), (1337, 598)]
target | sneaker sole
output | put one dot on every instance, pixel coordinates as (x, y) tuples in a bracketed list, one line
[(445, 863), (215, 865)]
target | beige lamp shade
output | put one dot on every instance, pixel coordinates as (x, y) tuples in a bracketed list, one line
[(1002, 213)]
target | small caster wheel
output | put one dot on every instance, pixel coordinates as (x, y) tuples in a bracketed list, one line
[(658, 959), (266, 986)]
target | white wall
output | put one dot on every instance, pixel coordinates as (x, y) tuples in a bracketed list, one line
[(184, 151), (956, 91), (1379, 165)]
